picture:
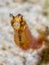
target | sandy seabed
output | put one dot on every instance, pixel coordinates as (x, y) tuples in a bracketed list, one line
[(10, 54)]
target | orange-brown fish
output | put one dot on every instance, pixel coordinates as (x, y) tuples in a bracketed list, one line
[(22, 35)]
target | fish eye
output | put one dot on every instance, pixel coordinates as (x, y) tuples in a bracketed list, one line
[(16, 24)]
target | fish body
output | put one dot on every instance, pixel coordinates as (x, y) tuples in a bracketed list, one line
[(22, 34)]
